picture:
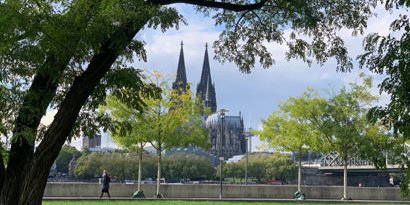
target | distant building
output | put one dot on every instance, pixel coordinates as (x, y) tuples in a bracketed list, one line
[(229, 133), (92, 142), (229, 137)]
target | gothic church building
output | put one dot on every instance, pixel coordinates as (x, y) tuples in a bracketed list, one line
[(225, 132)]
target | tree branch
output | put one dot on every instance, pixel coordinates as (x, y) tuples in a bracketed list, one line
[(240, 19), (212, 4)]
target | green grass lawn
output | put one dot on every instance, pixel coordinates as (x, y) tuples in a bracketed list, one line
[(172, 202)]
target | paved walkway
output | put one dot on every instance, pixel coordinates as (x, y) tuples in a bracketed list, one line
[(226, 199)]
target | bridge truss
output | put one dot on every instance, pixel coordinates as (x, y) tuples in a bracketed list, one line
[(333, 159)]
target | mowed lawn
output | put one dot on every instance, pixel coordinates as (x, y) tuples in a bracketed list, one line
[(172, 202)]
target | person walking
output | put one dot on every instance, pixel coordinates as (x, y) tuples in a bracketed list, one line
[(105, 184)]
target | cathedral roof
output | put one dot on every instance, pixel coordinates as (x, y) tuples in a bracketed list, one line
[(229, 121)]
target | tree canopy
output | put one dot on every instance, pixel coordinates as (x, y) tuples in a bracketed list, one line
[(346, 131), (291, 129), (389, 56), (336, 125)]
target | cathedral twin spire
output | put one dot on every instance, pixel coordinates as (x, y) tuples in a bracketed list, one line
[(180, 84), (205, 88)]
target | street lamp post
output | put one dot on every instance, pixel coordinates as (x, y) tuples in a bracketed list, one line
[(248, 136), (221, 156), (221, 159), (246, 162)]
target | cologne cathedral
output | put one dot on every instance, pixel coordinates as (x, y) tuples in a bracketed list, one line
[(225, 132)]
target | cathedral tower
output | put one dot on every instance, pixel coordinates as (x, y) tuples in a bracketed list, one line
[(180, 84), (206, 89)]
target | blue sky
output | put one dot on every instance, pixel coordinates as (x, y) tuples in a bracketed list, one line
[(255, 95)]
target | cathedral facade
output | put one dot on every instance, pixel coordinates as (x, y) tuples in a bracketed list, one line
[(226, 133)]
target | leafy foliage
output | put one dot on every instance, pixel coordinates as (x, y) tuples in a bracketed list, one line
[(343, 122), (263, 168), (183, 166), (67, 153), (119, 165), (346, 130), (168, 121), (337, 124), (292, 127), (123, 166), (67, 36), (390, 55), (314, 26)]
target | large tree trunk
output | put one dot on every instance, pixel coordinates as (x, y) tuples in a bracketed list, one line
[(345, 163), (2, 172), (159, 172), (300, 171), (140, 152), (27, 173), (35, 104), (345, 181)]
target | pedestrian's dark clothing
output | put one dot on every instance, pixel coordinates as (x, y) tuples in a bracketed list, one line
[(105, 185)]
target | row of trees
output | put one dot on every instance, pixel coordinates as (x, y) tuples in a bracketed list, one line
[(336, 124), (262, 168), (124, 166)]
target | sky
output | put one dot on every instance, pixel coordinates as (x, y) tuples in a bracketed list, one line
[(255, 95)]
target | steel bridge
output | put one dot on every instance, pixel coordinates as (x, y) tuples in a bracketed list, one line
[(333, 162)]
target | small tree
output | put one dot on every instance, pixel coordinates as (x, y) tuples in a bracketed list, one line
[(173, 120), (290, 129), (127, 131), (168, 121), (344, 124)]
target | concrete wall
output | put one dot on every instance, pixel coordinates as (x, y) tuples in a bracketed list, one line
[(229, 191)]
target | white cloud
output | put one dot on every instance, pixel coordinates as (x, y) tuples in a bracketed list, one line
[(255, 95), (259, 92)]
